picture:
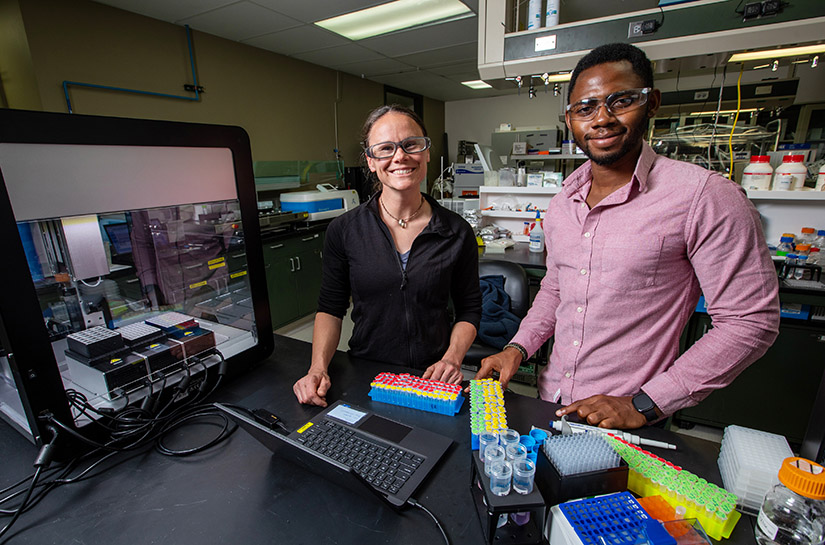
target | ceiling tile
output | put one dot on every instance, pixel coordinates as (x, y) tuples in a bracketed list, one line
[(458, 68), (441, 57), (310, 11), (375, 67), (425, 38), (240, 21), (166, 10), (335, 56), (297, 40)]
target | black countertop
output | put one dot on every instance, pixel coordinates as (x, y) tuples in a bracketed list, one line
[(238, 492)]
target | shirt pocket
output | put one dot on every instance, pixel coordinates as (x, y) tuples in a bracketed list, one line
[(630, 264)]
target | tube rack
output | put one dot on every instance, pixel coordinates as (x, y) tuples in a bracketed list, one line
[(487, 411), (649, 475), (417, 393)]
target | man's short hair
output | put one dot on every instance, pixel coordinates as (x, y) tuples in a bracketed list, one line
[(614, 53)]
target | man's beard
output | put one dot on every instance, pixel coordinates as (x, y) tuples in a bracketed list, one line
[(634, 136)]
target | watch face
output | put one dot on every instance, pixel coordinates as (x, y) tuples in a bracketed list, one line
[(642, 402)]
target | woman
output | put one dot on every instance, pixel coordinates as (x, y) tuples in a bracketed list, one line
[(401, 257)]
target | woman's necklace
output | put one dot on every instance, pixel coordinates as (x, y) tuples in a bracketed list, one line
[(401, 221)]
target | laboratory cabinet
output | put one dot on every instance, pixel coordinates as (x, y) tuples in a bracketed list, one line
[(293, 275), (777, 393)]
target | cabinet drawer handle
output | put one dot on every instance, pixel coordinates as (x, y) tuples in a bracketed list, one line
[(309, 238), (298, 259), (275, 247), (238, 255), (292, 264), (132, 281)]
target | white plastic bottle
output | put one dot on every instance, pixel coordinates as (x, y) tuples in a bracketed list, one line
[(757, 175), (790, 174), (551, 13), (534, 14), (537, 235), (820, 180), (793, 512)]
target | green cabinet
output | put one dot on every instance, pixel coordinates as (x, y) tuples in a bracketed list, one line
[(293, 276), (776, 393)]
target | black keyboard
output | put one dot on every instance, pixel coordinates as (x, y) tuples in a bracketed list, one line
[(384, 467)]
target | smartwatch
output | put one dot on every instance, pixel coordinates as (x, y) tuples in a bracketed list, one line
[(645, 405)]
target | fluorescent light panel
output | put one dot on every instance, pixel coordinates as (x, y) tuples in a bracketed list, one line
[(477, 84), (777, 53), (391, 17)]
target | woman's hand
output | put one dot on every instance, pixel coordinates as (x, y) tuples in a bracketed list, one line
[(444, 371), (312, 389)]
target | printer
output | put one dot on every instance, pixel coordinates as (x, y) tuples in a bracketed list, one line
[(320, 205)]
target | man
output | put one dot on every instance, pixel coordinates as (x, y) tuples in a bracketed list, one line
[(632, 240)]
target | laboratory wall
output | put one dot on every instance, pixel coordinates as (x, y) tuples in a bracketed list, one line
[(476, 119), (287, 106)]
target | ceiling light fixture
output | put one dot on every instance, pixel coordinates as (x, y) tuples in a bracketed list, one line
[(477, 84), (775, 53), (393, 16)]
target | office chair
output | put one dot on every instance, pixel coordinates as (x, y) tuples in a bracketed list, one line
[(515, 284)]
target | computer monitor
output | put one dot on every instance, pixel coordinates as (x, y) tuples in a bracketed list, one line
[(120, 242), (180, 198)]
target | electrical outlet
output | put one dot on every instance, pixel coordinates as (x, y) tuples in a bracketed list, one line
[(771, 7), (650, 26), (634, 29), (752, 11)]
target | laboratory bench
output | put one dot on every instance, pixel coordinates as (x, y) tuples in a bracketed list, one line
[(239, 492)]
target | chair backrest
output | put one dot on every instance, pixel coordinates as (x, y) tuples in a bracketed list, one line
[(515, 283)]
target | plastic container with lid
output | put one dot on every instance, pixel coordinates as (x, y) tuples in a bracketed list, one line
[(757, 175), (808, 235), (790, 174), (819, 241), (802, 249), (785, 245), (788, 266), (816, 257), (799, 272), (793, 512)]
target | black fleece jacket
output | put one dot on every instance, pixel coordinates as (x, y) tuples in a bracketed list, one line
[(400, 316)]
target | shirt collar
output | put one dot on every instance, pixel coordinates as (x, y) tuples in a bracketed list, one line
[(582, 176)]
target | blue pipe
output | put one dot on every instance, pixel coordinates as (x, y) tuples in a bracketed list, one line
[(66, 83)]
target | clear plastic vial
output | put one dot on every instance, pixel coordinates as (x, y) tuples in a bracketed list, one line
[(793, 512), (788, 266)]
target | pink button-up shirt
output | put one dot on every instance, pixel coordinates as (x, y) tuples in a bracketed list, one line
[(623, 279)]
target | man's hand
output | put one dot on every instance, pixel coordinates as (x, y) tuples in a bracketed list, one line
[(607, 412), (444, 371), (506, 363), (312, 389)]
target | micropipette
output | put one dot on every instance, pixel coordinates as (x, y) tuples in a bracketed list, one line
[(575, 427)]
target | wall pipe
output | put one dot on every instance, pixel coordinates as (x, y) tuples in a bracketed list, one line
[(196, 88)]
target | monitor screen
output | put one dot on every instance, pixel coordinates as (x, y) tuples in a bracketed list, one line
[(135, 256), (119, 238)]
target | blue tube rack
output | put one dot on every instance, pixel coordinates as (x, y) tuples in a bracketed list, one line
[(416, 393)]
